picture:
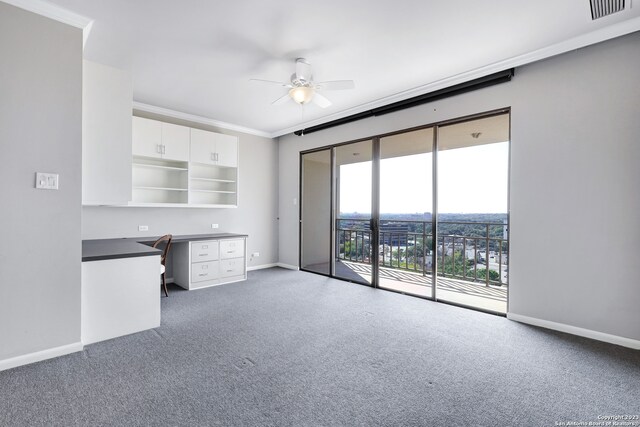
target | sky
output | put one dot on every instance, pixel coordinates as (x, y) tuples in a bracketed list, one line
[(470, 180)]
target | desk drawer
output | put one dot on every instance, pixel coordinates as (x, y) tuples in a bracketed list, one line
[(204, 251), (231, 248), (232, 267), (201, 271)]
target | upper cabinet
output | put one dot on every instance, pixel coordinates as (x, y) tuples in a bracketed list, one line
[(214, 148), (159, 140), (180, 166), (106, 135)]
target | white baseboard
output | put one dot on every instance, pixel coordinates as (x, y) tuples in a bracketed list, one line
[(287, 266), (260, 267), (574, 330), (40, 355)]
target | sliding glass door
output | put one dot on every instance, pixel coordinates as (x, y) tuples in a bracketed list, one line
[(473, 172), (353, 228), (315, 203), (421, 212), (405, 221)]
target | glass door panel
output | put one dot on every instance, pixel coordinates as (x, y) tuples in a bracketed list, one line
[(353, 237), (472, 243), (316, 212), (405, 243)]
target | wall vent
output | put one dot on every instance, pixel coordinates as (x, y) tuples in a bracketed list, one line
[(600, 8)]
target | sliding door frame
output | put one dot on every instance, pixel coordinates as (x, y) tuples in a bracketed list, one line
[(375, 197)]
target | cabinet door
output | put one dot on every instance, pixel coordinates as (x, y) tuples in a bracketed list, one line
[(106, 135), (203, 147), (231, 248), (175, 142), (227, 150), (201, 271), (147, 137), (204, 251), (232, 267)]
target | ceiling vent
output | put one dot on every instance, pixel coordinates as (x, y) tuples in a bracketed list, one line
[(600, 8)]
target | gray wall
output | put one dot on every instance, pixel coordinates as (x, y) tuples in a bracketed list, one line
[(574, 182), (40, 131), (256, 214)]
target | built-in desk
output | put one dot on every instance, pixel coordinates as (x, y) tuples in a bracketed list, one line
[(121, 278)]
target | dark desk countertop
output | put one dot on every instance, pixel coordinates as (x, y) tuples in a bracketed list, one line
[(130, 247)]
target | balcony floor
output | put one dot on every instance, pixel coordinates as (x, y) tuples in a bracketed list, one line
[(491, 298)]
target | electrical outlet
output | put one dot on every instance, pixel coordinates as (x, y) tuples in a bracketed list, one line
[(255, 254), (143, 228), (214, 225)]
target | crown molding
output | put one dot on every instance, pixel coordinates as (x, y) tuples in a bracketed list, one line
[(198, 119), (57, 13), (603, 34), (52, 11)]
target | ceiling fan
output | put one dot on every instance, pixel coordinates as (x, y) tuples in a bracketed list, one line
[(302, 88)]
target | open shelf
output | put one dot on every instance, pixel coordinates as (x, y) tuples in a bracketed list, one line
[(160, 188), (211, 179), (159, 181), (152, 166), (215, 185)]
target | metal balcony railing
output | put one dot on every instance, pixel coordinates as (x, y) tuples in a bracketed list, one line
[(472, 251)]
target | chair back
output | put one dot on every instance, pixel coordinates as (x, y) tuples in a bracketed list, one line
[(166, 238)]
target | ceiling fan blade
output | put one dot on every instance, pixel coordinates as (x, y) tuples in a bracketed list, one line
[(303, 70), (271, 82), (336, 85), (282, 100), (320, 100)]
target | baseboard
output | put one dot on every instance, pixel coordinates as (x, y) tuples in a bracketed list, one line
[(260, 267), (40, 355), (287, 266), (574, 330)]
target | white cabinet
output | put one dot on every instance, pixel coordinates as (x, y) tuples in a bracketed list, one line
[(175, 142), (159, 140), (213, 148), (147, 138), (106, 135), (180, 166), (201, 264)]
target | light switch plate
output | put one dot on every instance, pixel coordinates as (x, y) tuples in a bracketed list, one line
[(143, 228), (214, 226), (46, 181)]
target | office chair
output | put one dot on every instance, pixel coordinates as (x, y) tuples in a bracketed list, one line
[(163, 259)]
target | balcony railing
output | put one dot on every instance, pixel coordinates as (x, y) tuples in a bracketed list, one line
[(471, 251)]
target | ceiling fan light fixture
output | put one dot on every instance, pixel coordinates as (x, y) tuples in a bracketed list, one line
[(302, 94)]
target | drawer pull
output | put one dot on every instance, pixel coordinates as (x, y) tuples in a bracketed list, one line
[(229, 271), (203, 254), (230, 252), (203, 274)]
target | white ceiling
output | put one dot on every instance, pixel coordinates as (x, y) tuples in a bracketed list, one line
[(197, 56)]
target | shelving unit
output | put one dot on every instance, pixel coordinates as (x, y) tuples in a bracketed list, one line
[(179, 166), (215, 185), (159, 181)]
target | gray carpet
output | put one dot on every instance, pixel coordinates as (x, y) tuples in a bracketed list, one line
[(288, 348)]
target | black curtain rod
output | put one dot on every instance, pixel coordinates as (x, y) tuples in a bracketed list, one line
[(471, 85)]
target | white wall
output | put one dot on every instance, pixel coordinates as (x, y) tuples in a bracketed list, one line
[(574, 183), (40, 131), (256, 215)]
